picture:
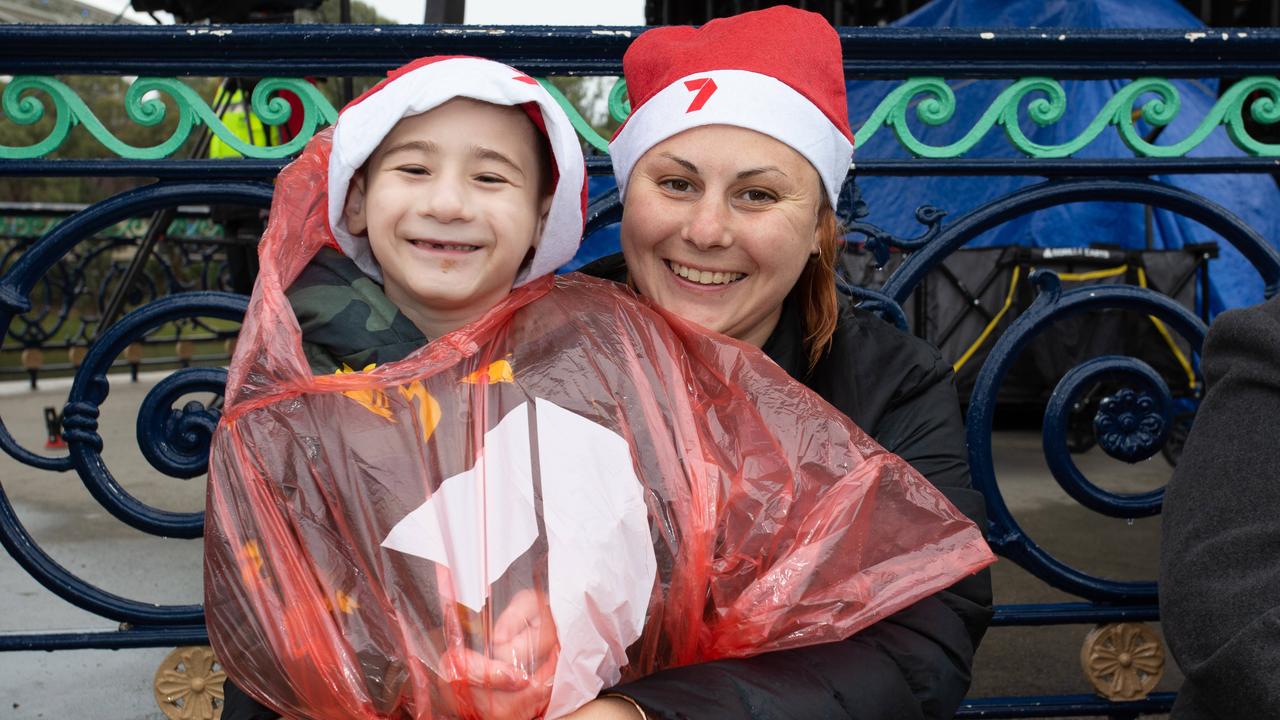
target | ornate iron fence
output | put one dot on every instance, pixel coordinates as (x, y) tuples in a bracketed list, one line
[(1132, 422)]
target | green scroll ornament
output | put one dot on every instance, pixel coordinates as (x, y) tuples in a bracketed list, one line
[(937, 104), (22, 105), (933, 100)]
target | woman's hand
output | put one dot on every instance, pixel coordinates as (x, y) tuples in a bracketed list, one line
[(513, 682)]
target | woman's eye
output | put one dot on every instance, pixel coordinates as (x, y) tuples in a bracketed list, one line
[(677, 185), (758, 196)]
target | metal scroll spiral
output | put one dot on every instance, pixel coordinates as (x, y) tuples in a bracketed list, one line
[(175, 441), (1132, 422)]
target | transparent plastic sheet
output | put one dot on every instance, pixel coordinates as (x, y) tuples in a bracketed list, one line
[(574, 490)]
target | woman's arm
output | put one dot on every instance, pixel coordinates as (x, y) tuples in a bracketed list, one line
[(914, 664)]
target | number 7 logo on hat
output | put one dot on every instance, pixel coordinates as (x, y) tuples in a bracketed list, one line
[(705, 87)]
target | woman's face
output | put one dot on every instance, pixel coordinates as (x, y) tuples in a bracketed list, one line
[(718, 223)]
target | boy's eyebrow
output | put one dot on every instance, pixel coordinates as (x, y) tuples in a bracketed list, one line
[(486, 153), (425, 146)]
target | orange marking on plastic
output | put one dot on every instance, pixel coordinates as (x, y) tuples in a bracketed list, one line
[(498, 372), (345, 603), (428, 408), (251, 563), (372, 399)]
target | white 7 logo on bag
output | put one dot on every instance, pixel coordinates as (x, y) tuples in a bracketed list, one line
[(600, 561)]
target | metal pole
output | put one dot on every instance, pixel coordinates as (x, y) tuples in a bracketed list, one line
[(159, 224), (344, 17), (160, 219), (445, 12)]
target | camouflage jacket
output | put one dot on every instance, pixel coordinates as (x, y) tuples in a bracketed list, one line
[(346, 318)]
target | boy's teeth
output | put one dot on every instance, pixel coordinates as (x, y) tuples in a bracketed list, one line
[(447, 246), (705, 277)]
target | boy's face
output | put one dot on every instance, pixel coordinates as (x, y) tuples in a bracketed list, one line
[(452, 203)]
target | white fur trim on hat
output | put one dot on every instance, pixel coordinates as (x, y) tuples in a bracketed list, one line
[(362, 127), (743, 99)]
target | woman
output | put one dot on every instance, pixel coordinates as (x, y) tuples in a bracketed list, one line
[(729, 168)]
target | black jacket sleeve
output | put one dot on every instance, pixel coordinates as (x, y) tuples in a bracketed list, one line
[(1219, 566), (914, 664)]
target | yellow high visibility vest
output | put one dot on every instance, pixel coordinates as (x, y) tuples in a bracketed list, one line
[(243, 123)]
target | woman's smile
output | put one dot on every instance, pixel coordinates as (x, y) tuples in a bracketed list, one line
[(703, 278)]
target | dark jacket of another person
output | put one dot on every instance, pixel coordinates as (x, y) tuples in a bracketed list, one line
[(1220, 554)]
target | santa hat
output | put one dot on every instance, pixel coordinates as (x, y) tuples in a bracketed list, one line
[(777, 71), (430, 82)]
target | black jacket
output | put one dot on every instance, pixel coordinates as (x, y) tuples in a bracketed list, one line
[(1219, 565), (912, 665)]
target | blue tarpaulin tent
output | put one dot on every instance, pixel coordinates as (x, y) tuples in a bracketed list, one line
[(892, 200)]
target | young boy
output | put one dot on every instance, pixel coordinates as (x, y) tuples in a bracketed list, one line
[(450, 183), (447, 197)]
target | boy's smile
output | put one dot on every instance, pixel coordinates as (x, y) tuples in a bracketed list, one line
[(452, 202)]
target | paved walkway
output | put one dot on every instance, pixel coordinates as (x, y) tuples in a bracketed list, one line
[(116, 685)]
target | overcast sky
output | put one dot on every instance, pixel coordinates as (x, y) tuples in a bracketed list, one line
[(486, 12)]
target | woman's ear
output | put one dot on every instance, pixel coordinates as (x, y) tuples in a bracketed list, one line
[(354, 211)]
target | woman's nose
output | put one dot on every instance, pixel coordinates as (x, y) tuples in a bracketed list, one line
[(707, 226)]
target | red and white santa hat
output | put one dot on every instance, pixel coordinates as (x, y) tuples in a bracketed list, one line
[(427, 83), (777, 71)]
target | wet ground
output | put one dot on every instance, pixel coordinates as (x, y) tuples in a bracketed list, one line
[(116, 685)]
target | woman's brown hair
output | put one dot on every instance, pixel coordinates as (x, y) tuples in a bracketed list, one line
[(816, 288)]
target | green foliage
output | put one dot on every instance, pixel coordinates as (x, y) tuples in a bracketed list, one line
[(590, 95)]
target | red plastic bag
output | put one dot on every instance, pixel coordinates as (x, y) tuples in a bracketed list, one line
[(574, 490)]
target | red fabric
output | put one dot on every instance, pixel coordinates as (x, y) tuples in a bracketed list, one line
[(796, 47), (402, 70), (775, 522)]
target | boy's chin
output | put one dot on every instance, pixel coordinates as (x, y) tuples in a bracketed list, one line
[(455, 295)]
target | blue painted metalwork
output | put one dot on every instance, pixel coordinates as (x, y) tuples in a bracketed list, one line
[(1131, 423), (1064, 706), (1071, 614), (258, 50), (125, 637), (1005, 534), (1130, 426), (175, 442), (20, 278), (602, 212)]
